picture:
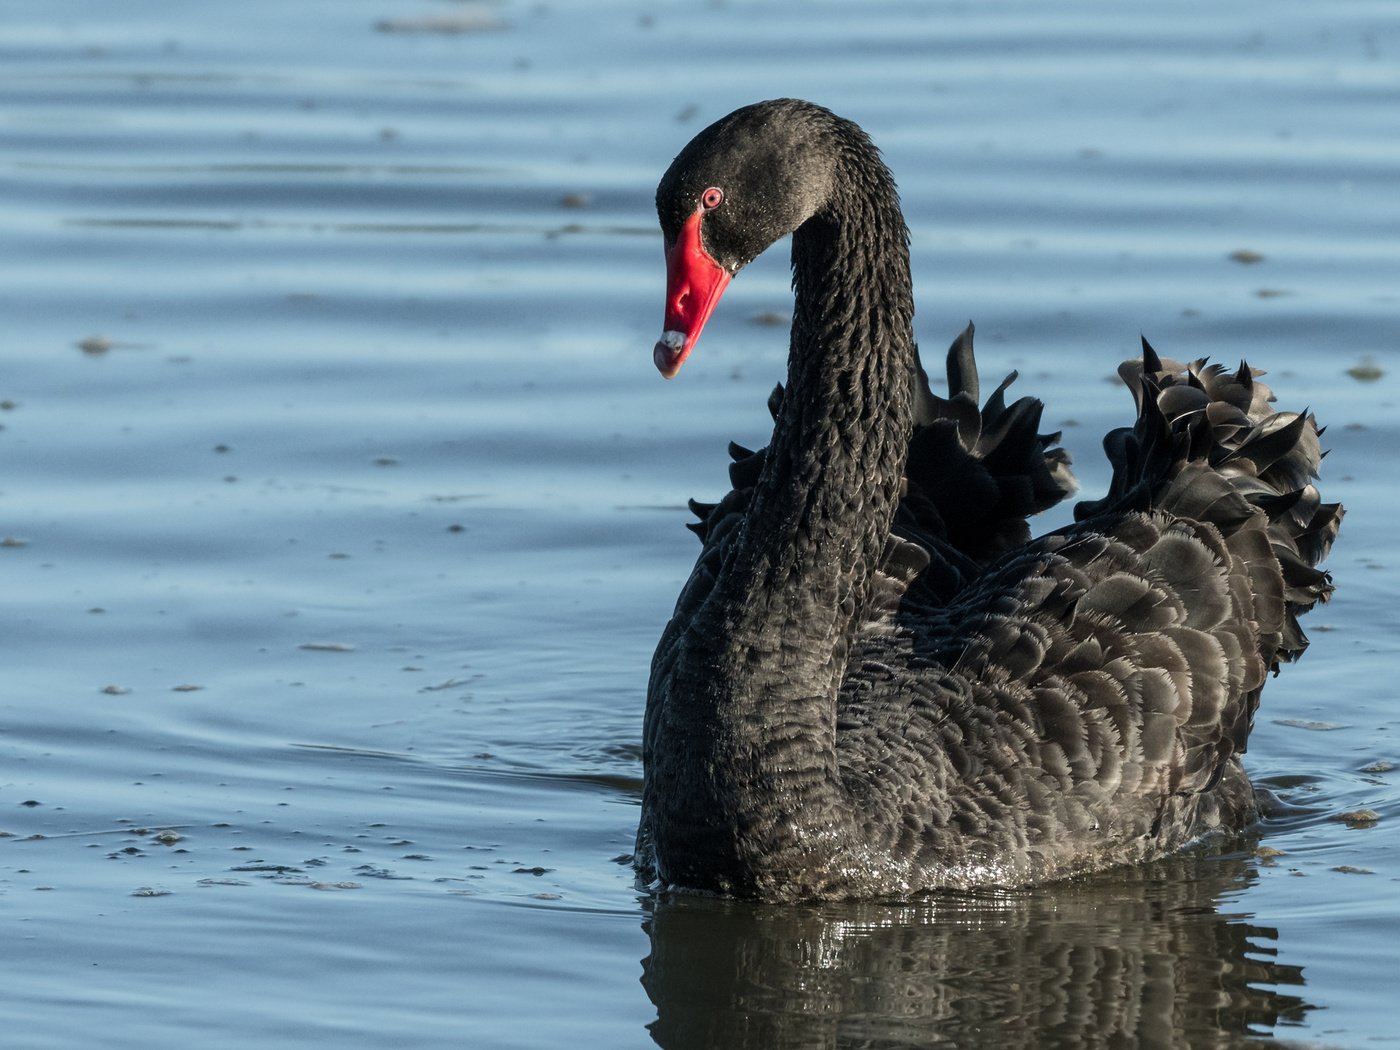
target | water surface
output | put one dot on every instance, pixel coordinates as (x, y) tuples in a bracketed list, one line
[(342, 506)]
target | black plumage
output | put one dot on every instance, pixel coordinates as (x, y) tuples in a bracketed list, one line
[(875, 682)]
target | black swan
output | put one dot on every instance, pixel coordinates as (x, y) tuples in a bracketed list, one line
[(875, 683)]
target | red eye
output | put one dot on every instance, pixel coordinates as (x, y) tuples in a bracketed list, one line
[(711, 198)]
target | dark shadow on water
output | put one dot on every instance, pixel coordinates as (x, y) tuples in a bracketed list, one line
[(1146, 957)]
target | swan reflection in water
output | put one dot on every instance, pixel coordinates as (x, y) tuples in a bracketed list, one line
[(1154, 956)]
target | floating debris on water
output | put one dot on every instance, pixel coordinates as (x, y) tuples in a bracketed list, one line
[(95, 344), (451, 683), (1381, 765), (1247, 256), (467, 22), (1359, 818), (374, 871), (327, 647), (1303, 723), (1366, 372), (1348, 869)]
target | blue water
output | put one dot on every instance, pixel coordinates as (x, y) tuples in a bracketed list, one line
[(333, 564)]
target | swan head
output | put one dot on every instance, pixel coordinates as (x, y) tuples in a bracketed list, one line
[(741, 184)]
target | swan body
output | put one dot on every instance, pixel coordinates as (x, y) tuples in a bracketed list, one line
[(875, 683)]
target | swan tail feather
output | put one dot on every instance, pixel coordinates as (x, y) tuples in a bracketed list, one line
[(1208, 447)]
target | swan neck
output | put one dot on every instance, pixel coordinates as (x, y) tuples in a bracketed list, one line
[(835, 466), (796, 589), (749, 678)]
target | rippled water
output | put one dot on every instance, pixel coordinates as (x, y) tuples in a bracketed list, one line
[(342, 506)]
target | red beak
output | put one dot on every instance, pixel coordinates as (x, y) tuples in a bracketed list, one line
[(694, 283)]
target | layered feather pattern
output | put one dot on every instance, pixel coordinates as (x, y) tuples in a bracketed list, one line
[(1015, 710), (875, 682)]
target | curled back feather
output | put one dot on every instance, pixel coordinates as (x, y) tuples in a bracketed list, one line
[(974, 475), (1208, 447)]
